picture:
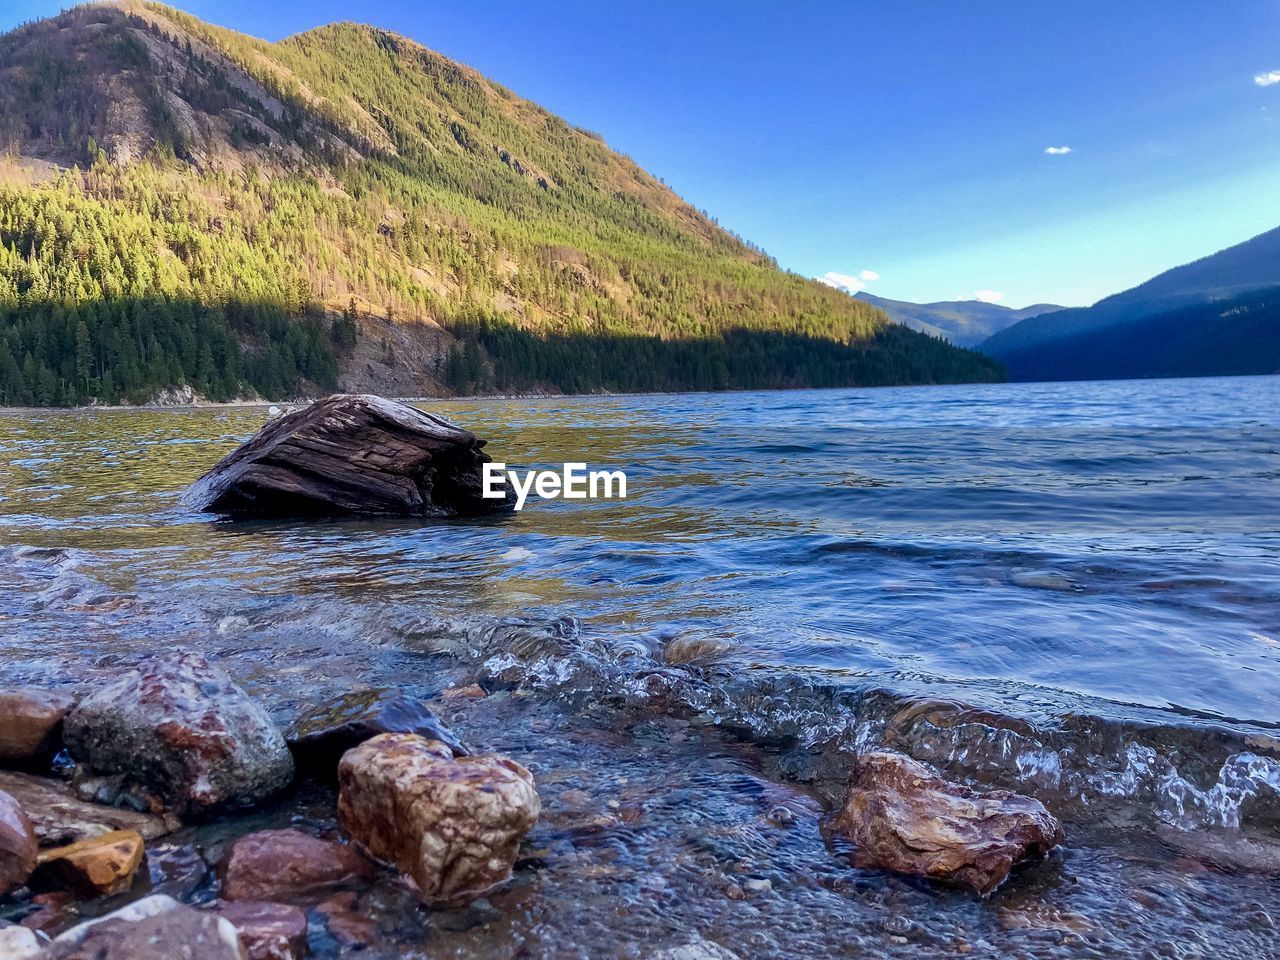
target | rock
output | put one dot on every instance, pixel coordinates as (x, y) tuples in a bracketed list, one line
[(17, 845), (453, 824), (98, 867), (31, 723), (345, 924), (698, 949), (287, 865), (472, 691), (268, 931), (60, 818), (179, 728), (352, 454), (321, 735), (155, 928), (1232, 851), (178, 870), (901, 816), (53, 911), (18, 943)]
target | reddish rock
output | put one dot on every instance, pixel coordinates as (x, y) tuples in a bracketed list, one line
[(345, 924), (903, 817), (322, 734), (17, 845), (155, 928), (31, 723), (289, 865), (60, 818), (179, 728), (268, 931), (98, 867), (453, 824), (54, 911)]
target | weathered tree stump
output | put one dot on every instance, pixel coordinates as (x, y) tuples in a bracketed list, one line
[(353, 454)]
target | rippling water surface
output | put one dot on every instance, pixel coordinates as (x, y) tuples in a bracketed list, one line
[(1069, 588)]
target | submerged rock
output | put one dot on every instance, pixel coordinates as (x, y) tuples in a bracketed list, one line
[(287, 865), (453, 824), (180, 729), (351, 454), (321, 735), (698, 949), (155, 928), (18, 943), (17, 845), (901, 816), (60, 818), (31, 723), (98, 867), (345, 923), (268, 931)]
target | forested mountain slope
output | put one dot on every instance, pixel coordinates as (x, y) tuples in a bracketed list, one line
[(1238, 335), (1221, 278), (183, 204)]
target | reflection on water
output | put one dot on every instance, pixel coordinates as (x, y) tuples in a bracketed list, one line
[(1111, 550), (1116, 542)]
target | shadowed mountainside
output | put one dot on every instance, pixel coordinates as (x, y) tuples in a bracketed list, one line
[(1214, 316)]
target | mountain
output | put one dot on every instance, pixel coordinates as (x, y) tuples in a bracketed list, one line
[(1160, 328), (1234, 336), (966, 323), (181, 204)]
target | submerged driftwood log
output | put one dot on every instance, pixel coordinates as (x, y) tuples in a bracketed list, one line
[(352, 454)]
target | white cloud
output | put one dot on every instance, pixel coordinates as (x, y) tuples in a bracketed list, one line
[(849, 284), (1057, 151), (1267, 79), (988, 296)]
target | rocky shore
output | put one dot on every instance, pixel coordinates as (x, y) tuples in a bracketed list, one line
[(97, 785)]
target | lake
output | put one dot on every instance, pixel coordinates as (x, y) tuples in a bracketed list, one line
[(1072, 589)]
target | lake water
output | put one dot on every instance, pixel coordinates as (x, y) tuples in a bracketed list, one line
[(1071, 589)]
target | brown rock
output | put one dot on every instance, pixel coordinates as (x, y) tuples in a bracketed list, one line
[(345, 924), (288, 865), (31, 723), (472, 691), (17, 845), (352, 454), (60, 818), (268, 931), (903, 817), (54, 911), (100, 866), (453, 824), (155, 928)]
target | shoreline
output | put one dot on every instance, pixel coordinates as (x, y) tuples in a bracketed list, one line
[(235, 404)]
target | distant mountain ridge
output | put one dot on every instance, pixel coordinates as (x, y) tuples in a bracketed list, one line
[(181, 204), (966, 323), (1082, 343)]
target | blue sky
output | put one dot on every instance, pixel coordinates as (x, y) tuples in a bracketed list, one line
[(898, 138)]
